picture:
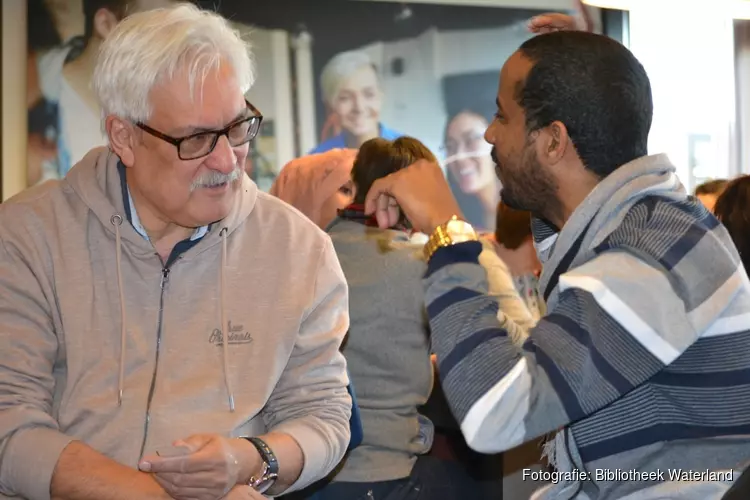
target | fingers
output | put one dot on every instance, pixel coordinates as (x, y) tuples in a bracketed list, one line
[(186, 492), (538, 23), (243, 493), (554, 21), (334, 179), (544, 30), (381, 188), (199, 480), (188, 464), (196, 461), (207, 472), (195, 442), (160, 465), (387, 212)]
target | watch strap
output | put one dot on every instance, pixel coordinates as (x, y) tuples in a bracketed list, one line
[(270, 470), (439, 238)]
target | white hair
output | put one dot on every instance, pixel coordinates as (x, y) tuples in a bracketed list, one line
[(339, 68), (148, 48)]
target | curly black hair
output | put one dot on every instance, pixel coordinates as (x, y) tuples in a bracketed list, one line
[(596, 88)]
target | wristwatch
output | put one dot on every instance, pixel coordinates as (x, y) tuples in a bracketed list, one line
[(454, 231), (269, 470)]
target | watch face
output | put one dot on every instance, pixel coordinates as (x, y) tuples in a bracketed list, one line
[(460, 231)]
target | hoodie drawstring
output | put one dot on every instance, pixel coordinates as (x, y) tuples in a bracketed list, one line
[(224, 324), (116, 221)]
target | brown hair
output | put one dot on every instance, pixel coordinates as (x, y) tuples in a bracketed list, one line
[(379, 157), (512, 227), (733, 210), (715, 186)]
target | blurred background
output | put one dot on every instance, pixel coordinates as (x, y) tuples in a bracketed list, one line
[(332, 73)]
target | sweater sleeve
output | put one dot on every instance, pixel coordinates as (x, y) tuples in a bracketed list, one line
[(310, 402), (590, 350), (30, 440)]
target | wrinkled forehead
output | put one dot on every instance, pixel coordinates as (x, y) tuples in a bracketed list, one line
[(214, 101)]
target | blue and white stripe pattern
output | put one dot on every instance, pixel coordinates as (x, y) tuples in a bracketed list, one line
[(646, 345)]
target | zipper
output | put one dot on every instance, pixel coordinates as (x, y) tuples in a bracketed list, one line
[(163, 286)]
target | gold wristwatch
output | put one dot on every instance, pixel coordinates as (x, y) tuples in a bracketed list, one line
[(447, 234)]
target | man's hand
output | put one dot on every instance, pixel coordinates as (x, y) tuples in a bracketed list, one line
[(83, 473), (556, 21), (243, 493), (420, 190), (210, 469)]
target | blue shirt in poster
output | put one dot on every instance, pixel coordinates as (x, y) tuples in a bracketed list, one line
[(339, 141)]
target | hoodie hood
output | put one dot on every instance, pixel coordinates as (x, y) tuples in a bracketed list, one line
[(102, 193)]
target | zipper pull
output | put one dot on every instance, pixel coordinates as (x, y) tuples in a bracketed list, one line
[(164, 277)]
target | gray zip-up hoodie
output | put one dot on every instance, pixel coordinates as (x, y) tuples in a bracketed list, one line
[(99, 343)]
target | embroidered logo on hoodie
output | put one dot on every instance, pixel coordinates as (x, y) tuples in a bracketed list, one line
[(237, 335)]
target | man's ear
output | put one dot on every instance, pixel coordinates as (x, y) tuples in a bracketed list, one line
[(104, 22), (552, 142), (122, 139)]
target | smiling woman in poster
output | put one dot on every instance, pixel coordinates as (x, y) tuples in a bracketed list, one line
[(470, 169), (353, 97)]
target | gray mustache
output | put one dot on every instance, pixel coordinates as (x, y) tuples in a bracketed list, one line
[(213, 178)]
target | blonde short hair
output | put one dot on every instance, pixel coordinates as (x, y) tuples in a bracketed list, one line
[(340, 67)]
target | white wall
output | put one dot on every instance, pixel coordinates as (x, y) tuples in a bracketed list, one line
[(262, 92), (692, 80), (413, 99), (478, 50), (283, 113), (272, 93), (305, 91), (742, 93)]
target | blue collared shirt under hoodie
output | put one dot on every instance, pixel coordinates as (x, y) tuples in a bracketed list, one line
[(132, 215)]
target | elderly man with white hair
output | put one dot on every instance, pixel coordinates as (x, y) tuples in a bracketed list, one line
[(353, 96), (167, 330)]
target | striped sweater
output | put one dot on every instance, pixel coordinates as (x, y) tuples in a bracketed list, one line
[(642, 362)]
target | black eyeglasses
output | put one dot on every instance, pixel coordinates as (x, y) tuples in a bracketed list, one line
[(198, 145)]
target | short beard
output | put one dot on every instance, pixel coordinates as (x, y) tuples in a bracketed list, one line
[(531, 187)]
